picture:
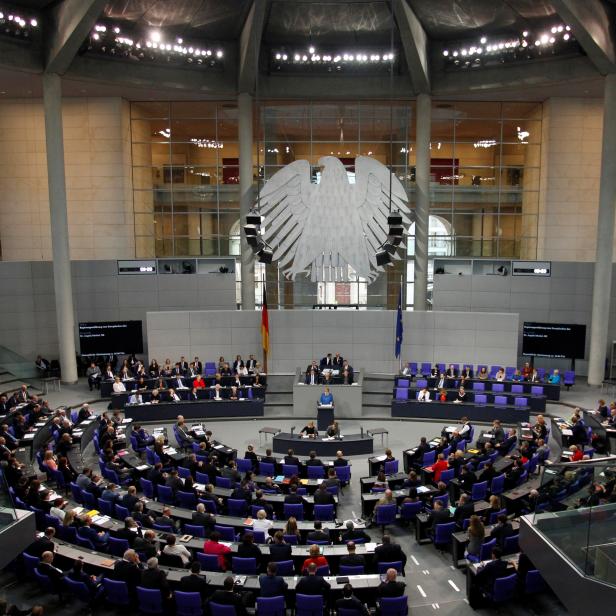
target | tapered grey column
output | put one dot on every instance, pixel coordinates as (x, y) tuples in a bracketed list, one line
[(602, 287), (244, 104), (54, 139), (422, 201)]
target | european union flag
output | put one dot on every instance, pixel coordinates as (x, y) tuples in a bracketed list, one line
[(399, 326)]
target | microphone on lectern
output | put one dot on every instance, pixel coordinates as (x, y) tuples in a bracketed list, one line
[(292, 430), (362, 431)]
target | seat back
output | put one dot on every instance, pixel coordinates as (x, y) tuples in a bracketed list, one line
[(309, 605), (315, 472), (429, 458), (116, 592), (352, 569), (267, 469), (516, 388), (394, 606), (202, 478), (288, 470), (443, 499), (536, 390), (408, 511), (117, 547), (237, 507), (105, 507), (195, 530), (504, 588), (165, 495), (382, 566), (391, 467), (479, 386), (386, 514), (511, 544), (534, 582), (426, 367), (481, 399), (498, 484), (188, 603), (486, 549), (521, 402), (244, 566), (271, 606), (421, 383), (244, 465), (224, 482), (402, 393), (293, 510), (479, 490), (227, 533), (569, 378), (404, 383), (500, 400), (443, 532), (498, 387), (448, 475), (325, 513), (291, 539), (208, 562), (285, 567), (323, 571), (218, 609), (150, 600), (121, 512), (148, 488)]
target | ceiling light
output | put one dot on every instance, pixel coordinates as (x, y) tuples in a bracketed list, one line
[(155, 36), (559, 29), (554, 29), (538, 43), (544, 39), (33, 23), (567, 28), (464, 52), (311, 49), (180, 41), (483, 40), (219, 54), (455, 54), (296, 57), (525, 33), (566, 36), (304, 58), (278, 56), (95, 36), (116, 30), (552, 40), (445, 53)]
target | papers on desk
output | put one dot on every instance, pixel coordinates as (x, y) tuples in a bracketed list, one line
[(78, 510), (487, 435), (279, 478), (325, 406), (422, 489), (199, 487), (219, 447), (30, 436), (227, 543), (100, 519), (143, 467), (326, 439), (169, 450), (319, 481), (379, 458), (39, 424), (370, 547), (127, 420), (354, 384), (567, 432)]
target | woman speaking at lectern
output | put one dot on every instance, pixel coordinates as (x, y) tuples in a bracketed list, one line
[(326, 398)]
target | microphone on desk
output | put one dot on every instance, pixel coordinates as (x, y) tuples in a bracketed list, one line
[(362, 431), (292, 430)]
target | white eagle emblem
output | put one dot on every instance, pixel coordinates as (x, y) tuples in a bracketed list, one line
[(319, 229)]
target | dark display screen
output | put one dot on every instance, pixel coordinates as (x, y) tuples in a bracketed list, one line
[(107, 337), (554, 340)]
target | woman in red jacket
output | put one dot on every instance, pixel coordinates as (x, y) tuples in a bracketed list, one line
[(439, 466)]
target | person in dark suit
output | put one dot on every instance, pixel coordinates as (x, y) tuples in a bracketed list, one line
[(501, 531), (55, 575), (318, 534), (263, 504), (313, 460), (201, 517), (290, 458), (464, 510), (293, 498), (340, 461), (338, 361), (129, 532), (195, 582), (153, 577), (439, 515), (271, 584), (165, 518), (268, 458), (248, 549), (43, 543), (350, 602), (128, 570), (279, 550), (147, 544), (229, 596), (422, 448), (352, 559), (155, 474), (578, 432), (391, 587), (353, 534), (389, 552), (327, 363), (130, 499), (312, 375), (313, 584), (252, 456), (504, 447), (492, 570), (323, 497)]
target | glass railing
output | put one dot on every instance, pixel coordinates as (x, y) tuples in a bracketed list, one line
[(7, 511), (18, 366), (577, 517)]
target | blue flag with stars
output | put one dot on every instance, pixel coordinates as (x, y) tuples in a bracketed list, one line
[(399, 326)]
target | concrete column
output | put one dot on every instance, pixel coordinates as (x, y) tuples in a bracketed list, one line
[(54, 139), (602, 287), (244, 103), (422, 204)]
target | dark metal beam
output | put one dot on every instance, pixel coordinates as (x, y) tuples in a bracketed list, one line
[(592, 25), (249, 46), (415, 44), (70, 23)]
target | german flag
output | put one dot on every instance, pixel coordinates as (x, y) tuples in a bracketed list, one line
[(264, 322)]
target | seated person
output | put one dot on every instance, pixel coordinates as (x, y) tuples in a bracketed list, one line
[(461, 395), (314, 558), (310, 430), (353, 534), (439, 466), (492, 570), (271, 584), (318, 534), (350, 602), (500, 375), (333, 430), (517, 376), (423, 395), (312, 374), (389, 552), (391, 587), (554, 377), (483, 374), (439, 515), (326, 398)]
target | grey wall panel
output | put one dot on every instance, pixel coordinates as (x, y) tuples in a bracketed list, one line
[(366, 340)]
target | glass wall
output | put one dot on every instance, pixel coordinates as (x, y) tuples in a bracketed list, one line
[(484, 185)]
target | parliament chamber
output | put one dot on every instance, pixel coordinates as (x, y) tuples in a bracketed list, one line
[(307, 307)]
